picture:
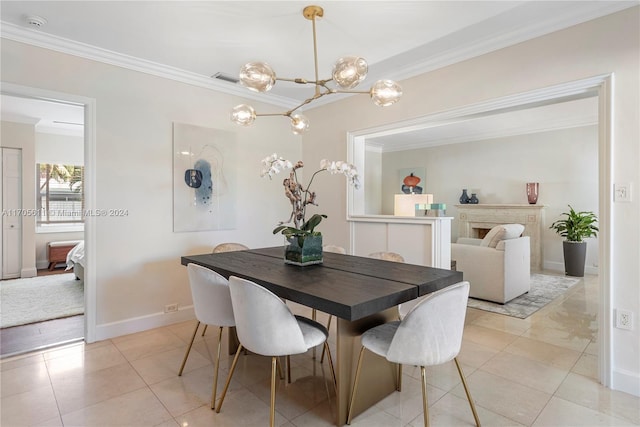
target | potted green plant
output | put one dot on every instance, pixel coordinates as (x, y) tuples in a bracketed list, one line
[(304, 243), (574, 227)]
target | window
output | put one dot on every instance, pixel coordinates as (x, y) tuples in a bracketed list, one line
[(60, 195)]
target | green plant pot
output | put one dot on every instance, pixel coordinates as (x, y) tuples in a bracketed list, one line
[(308, 254), (575, 254)]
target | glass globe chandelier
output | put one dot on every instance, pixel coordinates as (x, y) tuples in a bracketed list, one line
[(348, 72)]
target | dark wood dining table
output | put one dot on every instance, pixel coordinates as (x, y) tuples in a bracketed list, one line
[(361, 292)]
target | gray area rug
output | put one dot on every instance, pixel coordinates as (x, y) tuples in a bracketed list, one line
[(544, 289), (24, 301)]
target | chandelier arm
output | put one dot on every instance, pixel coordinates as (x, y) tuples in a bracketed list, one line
[(315, 52), (352, 91)]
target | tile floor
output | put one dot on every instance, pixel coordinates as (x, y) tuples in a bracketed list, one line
[(540, 371)]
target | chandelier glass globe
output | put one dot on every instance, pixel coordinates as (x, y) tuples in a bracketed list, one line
[(299, 124), (243, 115), (385, 93), (349, 71), (257, 76)]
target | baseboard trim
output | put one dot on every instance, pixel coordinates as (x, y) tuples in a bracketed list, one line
[(28, 272), (143, 323), (559, 266), (628, 382)]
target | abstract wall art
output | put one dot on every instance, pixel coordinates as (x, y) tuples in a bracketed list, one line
[(204, 183)]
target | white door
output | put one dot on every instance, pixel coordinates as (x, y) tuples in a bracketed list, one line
[(11, 213)]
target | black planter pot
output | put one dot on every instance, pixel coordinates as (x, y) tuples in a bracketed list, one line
[(575, 254)]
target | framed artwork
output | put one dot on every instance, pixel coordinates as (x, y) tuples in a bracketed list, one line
[(204, 183)]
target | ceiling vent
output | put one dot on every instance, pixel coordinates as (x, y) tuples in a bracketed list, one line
[(226, 77), (35, 21)]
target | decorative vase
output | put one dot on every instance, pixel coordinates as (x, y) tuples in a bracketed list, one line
[(464, 198), (473, 199), (532, 192), (303, 250)]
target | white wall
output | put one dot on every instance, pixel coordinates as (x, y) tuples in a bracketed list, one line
[(606, 45), (59, 149), (138, 267), (21, 135), (564, 162)]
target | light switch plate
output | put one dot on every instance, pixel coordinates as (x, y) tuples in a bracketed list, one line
[(622, 192)]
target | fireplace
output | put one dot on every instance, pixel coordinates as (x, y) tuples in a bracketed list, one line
[(477, 220)]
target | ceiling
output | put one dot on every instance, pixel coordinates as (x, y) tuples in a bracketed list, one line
[(191, 41)]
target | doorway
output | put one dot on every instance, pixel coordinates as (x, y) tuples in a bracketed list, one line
[(86, 106)]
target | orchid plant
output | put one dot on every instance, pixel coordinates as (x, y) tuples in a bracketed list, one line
[(300, 196)]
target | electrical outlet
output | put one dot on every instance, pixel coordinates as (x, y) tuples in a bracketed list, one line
[(624, 319), (169, 308), (622, 192)]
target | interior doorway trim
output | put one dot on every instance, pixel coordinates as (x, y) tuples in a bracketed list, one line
[(89, 105), (600, 86)]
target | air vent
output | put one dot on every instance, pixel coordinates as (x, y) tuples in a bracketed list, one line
[(226, 77)]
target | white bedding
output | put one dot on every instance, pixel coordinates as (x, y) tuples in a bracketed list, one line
[(76, 256)]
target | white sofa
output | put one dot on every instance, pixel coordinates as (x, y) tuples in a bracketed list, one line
[(498, 266)]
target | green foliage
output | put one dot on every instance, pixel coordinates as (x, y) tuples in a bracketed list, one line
[(305, 230), (576, 225)]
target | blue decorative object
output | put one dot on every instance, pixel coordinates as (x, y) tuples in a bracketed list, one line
[(473, 199), (464, 198), (193, 178)]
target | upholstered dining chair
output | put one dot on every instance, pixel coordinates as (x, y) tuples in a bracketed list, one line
[(212, 304), (272, 330), (387, 256), (430, 334), (229, 247)]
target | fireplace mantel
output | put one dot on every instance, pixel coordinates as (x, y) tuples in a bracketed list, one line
[(473, 218)]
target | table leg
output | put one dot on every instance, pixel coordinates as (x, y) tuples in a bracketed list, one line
[(378, 378)]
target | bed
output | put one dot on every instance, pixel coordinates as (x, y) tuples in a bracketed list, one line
[(75, 261)]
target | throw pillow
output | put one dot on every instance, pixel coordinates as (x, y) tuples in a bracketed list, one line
[(502, 232)]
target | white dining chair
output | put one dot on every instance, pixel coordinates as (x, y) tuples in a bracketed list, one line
[(387, 256), (430, 334), (212, 305), (272, 330), (229, 247)]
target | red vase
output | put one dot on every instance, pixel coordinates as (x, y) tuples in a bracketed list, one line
[(532, 192)]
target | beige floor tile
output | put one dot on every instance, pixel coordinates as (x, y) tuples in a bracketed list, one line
[(24, 378), (452, 410), (137, 346), (183, 394), (134, 409), (78, 389), (551, 354), (488, 337), (322, 415), (502, 323), (22, 360), (507, 398), (53, 422), (84, 361), (587, 366), (589, 393), (525, 371), (475, 355), (166, 365), (18, 409), (560, 412)]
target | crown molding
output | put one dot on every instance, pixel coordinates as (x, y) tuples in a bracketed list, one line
[(82, 50)]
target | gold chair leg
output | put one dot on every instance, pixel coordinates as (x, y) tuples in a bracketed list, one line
[(466, 390), (328, 326), (204, 331), (272, 413), (355, 386), (425, 402), (226, 386), (186, 355), (399, 383), (333, 372), (215, 374)]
